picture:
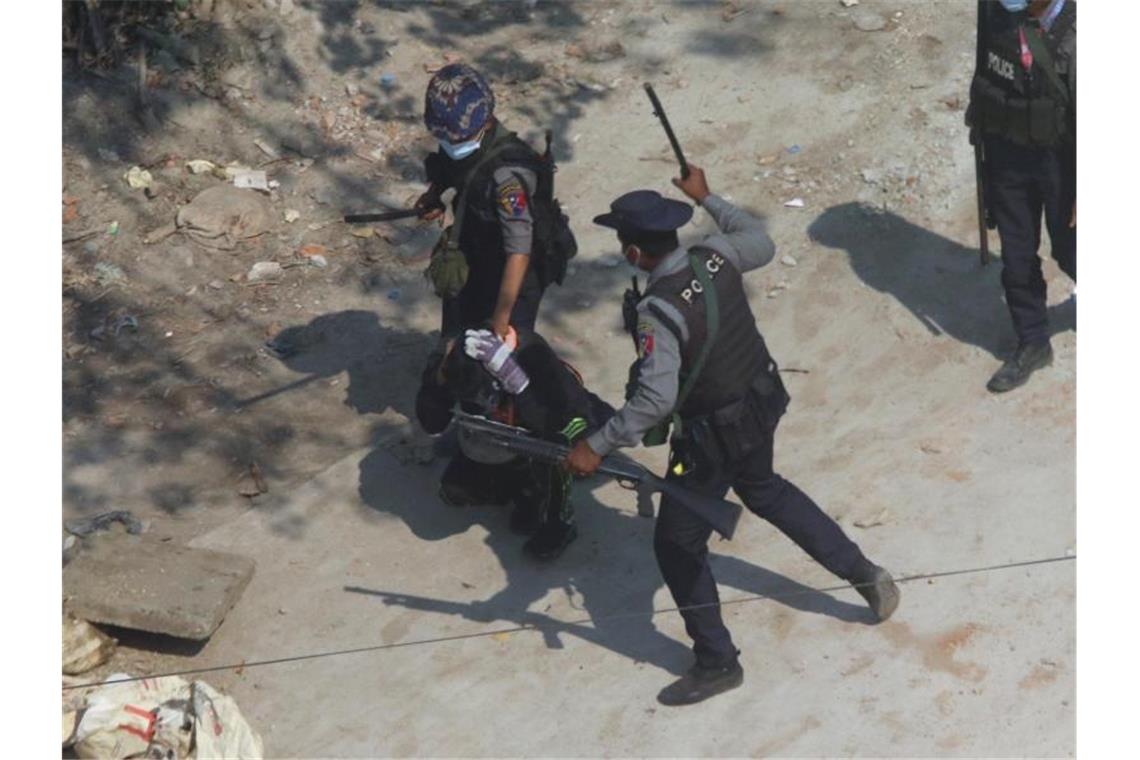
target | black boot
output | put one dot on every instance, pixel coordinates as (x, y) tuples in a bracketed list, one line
[(700, 683), (551, 540), (524, 519), (1028, 358), (877, 586)]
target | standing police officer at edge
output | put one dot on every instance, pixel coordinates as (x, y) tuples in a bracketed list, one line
[(1023, 106), (726, 413)]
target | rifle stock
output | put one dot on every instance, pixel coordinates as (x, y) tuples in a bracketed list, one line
[(721, 514)]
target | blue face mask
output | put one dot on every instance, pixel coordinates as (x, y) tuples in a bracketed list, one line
[(458, 151), (1014, 6)]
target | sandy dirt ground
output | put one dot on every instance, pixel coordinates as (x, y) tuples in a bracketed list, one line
[(876, 298)]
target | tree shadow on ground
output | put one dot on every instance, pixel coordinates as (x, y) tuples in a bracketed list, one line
[(609, 574), (938, 280)]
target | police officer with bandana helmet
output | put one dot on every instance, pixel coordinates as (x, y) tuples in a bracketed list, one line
[(1023, 107), (704, 371), (509, 239)]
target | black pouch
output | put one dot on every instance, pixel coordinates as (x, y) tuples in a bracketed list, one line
[(696, 453), (742, 425), (1046, 120), (769, 397)]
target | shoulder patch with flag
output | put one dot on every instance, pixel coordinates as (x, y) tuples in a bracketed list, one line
[(644, 339), (512, 197)]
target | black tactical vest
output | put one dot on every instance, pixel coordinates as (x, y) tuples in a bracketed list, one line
[(1025, 107), (481, 237), (738, 355)]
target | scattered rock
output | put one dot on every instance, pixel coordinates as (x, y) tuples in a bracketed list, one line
[(871, 522), (596, 52), (352, 89), (312, 249), (849, 3), (292, 215), (871, 176), (107, 274), (319, 261), (788, 261), (216, 285), (795, 203), (264, 271), (868, 21), (267, 149), (200, 166), (286, 7), (138, 178), (84, 646)]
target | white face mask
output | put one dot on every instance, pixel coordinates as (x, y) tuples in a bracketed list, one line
[(1013, 6), (458, 151)]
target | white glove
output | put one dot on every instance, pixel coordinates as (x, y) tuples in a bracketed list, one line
[(498, 358)]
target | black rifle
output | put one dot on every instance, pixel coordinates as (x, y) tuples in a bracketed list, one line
[(722, 515), (985, 222), (659, 112), (385, 216)]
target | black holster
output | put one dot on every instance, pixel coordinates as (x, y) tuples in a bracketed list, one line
[(709, 442)]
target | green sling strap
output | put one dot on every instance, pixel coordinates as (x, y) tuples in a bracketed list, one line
[(660, 433), (448, 268), (1041, 52)]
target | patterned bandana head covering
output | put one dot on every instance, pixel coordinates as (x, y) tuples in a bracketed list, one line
[(458, 103)]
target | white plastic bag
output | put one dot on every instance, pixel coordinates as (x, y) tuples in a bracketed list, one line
[(219, 728), (120, 719)]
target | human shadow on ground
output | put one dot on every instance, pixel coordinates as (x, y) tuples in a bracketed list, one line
[(383, 363), (938, 280), (609, 574)]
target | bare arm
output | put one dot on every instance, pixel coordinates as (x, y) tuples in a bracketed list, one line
[(513, 275), (513, 188)]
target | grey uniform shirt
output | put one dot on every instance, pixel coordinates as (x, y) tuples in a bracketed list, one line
[(514, 189), (743, 241)]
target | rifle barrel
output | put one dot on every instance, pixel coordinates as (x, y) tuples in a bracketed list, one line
[(385, 216)]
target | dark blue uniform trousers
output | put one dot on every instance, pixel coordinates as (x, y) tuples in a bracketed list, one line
[(1022, 183), (681, 541)]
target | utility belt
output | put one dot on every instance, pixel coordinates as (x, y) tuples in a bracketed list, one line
[(705, 444)]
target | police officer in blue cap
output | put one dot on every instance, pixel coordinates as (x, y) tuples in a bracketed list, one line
[(704, 371)]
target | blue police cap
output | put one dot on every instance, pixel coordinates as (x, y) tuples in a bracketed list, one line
[(646, 211)]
